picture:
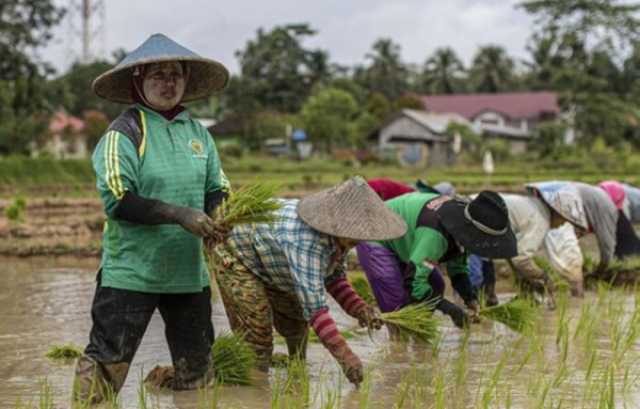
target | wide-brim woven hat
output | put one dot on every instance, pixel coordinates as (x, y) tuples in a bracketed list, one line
[(206, 76), (563, 197), (481, 225), (351, 210)]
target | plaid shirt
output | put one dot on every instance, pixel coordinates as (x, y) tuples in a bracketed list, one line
[(290, 256)]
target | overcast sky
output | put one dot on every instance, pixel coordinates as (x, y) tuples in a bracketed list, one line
[(346, 28)]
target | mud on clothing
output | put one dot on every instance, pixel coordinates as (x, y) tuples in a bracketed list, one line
[(120, 319), (426, 243), (254, 308), (173, 161)]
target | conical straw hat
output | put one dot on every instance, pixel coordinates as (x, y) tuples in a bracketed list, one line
[(351, 210), (206, 76)]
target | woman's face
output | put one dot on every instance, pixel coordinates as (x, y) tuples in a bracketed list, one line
[(163, 85)]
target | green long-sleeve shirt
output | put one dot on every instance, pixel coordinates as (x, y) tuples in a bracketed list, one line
[(425, 244), (173, 161)]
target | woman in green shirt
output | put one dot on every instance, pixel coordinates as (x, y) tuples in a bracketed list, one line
[(159, 176), (441, 230)]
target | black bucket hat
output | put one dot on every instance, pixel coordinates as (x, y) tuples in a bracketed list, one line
[(481, 225)]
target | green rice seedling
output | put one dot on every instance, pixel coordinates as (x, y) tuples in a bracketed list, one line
[(364, 400), (249, 204), (209, 397), (561, 285), (439, 391), (460, 364), (65, 352), (361, 285), (414, 321), (143, 396), (517, 314), (490, 390), (233, 359)]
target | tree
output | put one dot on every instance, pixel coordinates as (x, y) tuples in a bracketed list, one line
[(277, 72), (327, 115), (24, 27), (74, 91), (378, 106), (408, 101), (386, 73), (491, 70), (580, 48), (442, 72)]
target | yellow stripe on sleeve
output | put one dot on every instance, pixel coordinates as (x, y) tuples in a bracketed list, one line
[(107, 164), (143, 144), (118, 179)]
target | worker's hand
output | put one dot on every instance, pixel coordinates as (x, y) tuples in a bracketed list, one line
[(195, 221), (457, 314), (350, 364), (474, 310), (368, 317)]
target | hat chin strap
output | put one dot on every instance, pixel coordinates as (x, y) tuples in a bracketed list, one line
[(482, 227)]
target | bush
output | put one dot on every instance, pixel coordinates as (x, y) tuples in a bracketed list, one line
[(231, 151), (15, 212)]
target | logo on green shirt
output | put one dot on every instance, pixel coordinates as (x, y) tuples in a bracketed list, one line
[(197, 148)]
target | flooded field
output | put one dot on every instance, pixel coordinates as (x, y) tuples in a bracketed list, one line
[(582, 355)]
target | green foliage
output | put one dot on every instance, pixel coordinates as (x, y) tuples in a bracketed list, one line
[(408, 101), (232, 359), (15, 211), (74, 91), (378, 105), (386, 73), (443, 72), (277, 72), (549, 138), (266, 125), (491, 70), (326, 117), (24, 97), (64, 352)]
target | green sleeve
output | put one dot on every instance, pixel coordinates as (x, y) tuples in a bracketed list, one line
[(458, 265), (115, 162), (216, 179), (427, 248)]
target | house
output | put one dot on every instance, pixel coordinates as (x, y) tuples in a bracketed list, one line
[(417, 138), (67, 138), (512, 116)]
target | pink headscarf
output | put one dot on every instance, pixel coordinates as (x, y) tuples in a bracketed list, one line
[(615, 190)]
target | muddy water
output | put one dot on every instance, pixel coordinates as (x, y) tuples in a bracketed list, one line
[(45, 302)]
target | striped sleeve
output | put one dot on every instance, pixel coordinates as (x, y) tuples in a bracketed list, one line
[(115, 162)]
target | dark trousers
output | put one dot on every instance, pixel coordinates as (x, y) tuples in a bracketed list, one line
[(627, 242), (120, 319)]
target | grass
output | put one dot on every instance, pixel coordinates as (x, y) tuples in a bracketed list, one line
[(64, 352), (233, 359)]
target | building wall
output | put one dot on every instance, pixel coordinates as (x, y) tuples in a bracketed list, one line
[(405, 127), (436, 152)]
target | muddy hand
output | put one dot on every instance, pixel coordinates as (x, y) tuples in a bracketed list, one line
[(195, 221), (474, 311), (368, 317)]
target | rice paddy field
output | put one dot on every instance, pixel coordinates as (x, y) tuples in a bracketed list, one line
[(585, 354)]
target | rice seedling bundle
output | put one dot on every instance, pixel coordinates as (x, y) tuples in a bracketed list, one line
[(64, 352), (361, 286), (518, 314), (250, 204), (232, 359), (414, 321)]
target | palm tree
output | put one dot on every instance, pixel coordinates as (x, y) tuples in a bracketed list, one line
[(387, 73), (442, 72), (492, 69)]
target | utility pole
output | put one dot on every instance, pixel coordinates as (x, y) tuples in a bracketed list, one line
[(86, 21)]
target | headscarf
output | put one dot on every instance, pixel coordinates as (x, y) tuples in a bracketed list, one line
[(616, 192)]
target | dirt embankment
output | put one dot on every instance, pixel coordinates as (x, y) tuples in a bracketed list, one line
[(53, 227)]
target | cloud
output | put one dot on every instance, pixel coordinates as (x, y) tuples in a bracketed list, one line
[(346, 29)]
